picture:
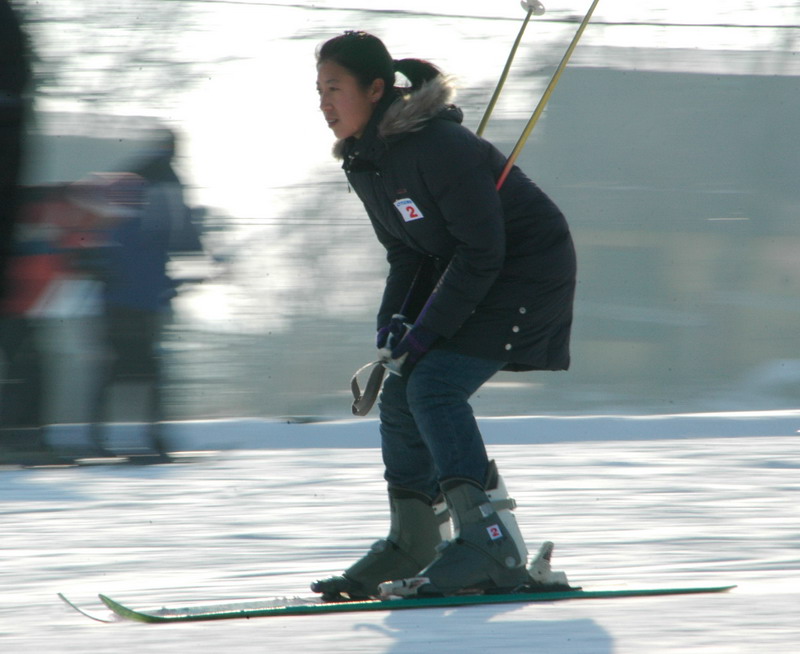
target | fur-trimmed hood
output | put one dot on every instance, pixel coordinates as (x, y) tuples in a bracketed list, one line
[(410, 112)]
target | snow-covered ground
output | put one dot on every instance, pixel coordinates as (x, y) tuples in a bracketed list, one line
[(646, 501)]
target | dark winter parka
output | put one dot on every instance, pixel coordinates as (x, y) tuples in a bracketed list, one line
[(504, 261)]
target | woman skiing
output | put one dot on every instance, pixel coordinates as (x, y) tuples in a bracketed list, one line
[(480, 280)]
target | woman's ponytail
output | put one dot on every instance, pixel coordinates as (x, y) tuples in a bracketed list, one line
[(417, 71)]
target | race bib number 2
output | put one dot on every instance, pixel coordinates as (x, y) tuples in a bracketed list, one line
[(408, 209)]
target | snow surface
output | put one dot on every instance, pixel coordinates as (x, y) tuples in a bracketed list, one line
[(658, 501)]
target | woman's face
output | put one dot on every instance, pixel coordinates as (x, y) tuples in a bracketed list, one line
[(346, 105)]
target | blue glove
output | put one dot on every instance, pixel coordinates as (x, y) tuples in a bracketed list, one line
[(411, 348), (390, 335)]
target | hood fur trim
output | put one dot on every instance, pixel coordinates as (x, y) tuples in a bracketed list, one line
[(411, 111)]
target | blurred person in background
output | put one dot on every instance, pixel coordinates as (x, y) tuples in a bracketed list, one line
[(152, 221), (21, 389), (479, 280), (14, 79), (49, 312), (32, 266)]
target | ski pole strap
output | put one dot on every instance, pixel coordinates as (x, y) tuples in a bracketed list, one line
[(363, 402)]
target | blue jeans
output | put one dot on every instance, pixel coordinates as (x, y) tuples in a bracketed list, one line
[(428, 429)]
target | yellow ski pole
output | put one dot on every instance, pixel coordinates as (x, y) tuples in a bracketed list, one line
[(534, 9), (546, 96)]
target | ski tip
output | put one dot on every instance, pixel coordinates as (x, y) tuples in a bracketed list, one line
[(115, 606), (106, 619), (123, 612)]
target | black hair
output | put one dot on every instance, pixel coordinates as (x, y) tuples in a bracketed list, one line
[(417, 71), (367, 59)]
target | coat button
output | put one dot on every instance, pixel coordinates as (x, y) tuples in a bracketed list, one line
[(515, 328), (508, 346), (523, 310)]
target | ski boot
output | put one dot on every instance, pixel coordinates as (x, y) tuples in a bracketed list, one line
[(416, 528), (487, 554)]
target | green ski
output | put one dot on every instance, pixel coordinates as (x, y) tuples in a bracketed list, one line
[(277, 608)]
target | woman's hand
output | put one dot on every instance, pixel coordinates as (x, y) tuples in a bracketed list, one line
[(411, 348), (390, 335)]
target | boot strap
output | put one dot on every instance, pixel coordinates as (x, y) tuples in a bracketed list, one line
[(508, 503)]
